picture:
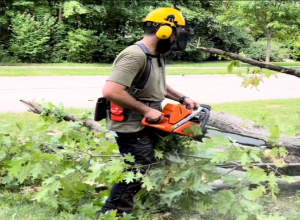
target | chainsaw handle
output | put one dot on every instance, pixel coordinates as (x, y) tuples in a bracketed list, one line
[(145, 122)]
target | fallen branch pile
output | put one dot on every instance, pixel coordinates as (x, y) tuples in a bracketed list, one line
[(222, 121), (227, 123)]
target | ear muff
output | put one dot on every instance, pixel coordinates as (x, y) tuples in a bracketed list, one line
[(164, 32)]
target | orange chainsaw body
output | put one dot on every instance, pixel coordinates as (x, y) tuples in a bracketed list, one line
[(172, 115)]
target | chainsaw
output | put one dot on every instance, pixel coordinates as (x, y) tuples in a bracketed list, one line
[(178, 118)]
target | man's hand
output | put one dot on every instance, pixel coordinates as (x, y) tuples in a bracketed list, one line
[(190, 103), (154, 116)]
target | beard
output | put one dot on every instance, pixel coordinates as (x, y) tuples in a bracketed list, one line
[(163, 46)]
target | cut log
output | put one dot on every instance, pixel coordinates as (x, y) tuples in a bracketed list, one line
[(234, 56), (222, 121), (282, 183), (234, 124)]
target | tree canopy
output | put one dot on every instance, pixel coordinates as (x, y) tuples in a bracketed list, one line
[(96, 31)]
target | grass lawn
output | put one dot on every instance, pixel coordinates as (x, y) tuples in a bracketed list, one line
[(16, 207), (282, 112), (285, 113), (59, 64), (188, 70)]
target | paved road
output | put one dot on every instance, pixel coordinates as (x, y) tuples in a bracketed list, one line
[(82, 91)]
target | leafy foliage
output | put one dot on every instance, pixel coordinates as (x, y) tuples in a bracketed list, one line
[(93, 31), (296, 49), (31, 37), (264, 19), (257, 51), (66, 167)]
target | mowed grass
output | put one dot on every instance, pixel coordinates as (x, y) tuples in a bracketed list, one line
[(11, 122), (36, 71), (59, 64), (17, 207), (282, 112)]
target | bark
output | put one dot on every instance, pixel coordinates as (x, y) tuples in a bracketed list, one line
[(60, 17), (268, 52), (222, 121), (286, 70), (92, 125), (230, 123), (282, 184)]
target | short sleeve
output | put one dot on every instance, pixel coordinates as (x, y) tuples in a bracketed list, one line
[(127, 65)]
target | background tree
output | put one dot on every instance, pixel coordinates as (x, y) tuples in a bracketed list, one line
[(96, 31), (268, 19)]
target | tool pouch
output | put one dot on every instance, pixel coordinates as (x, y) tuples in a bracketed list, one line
[(117, 113), (100, 110)]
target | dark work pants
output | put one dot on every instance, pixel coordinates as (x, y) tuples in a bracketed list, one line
[(141, 146)]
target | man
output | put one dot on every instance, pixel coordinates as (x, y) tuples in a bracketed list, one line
[(164, 28)]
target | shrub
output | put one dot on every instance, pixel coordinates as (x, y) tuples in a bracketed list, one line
[(257, 51), (31, 36), (5, 57), (296, 50), (80, 46)]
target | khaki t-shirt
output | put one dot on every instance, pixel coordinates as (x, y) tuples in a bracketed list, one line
[(129, 66)]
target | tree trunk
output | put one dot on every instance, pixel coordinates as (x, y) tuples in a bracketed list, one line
[(268, 51), (282, 183), (224, 122), (233, 124), (286, 70), (60, 17)]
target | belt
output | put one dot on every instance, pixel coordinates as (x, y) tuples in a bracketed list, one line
[(151, 103), (133, 134)]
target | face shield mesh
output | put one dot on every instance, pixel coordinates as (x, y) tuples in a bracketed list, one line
[(182, 38)]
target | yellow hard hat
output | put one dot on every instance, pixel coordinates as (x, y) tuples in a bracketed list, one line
[(167, 18), (161, 15)]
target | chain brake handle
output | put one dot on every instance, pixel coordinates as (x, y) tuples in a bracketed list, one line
[(204, 115)]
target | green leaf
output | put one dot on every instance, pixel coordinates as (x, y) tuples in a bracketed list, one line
[(245, 159), (158, 154), (236, 209), (255, 193), (275, 133), (202, 188), (147, 183), (182, 175), (129, 158), (36, 170), (168, 198), (47, 192), (129, 177), (256, 175), (255, 155), (232, 64)]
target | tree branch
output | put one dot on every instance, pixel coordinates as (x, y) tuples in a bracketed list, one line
[(222, 121), (286, 70)]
